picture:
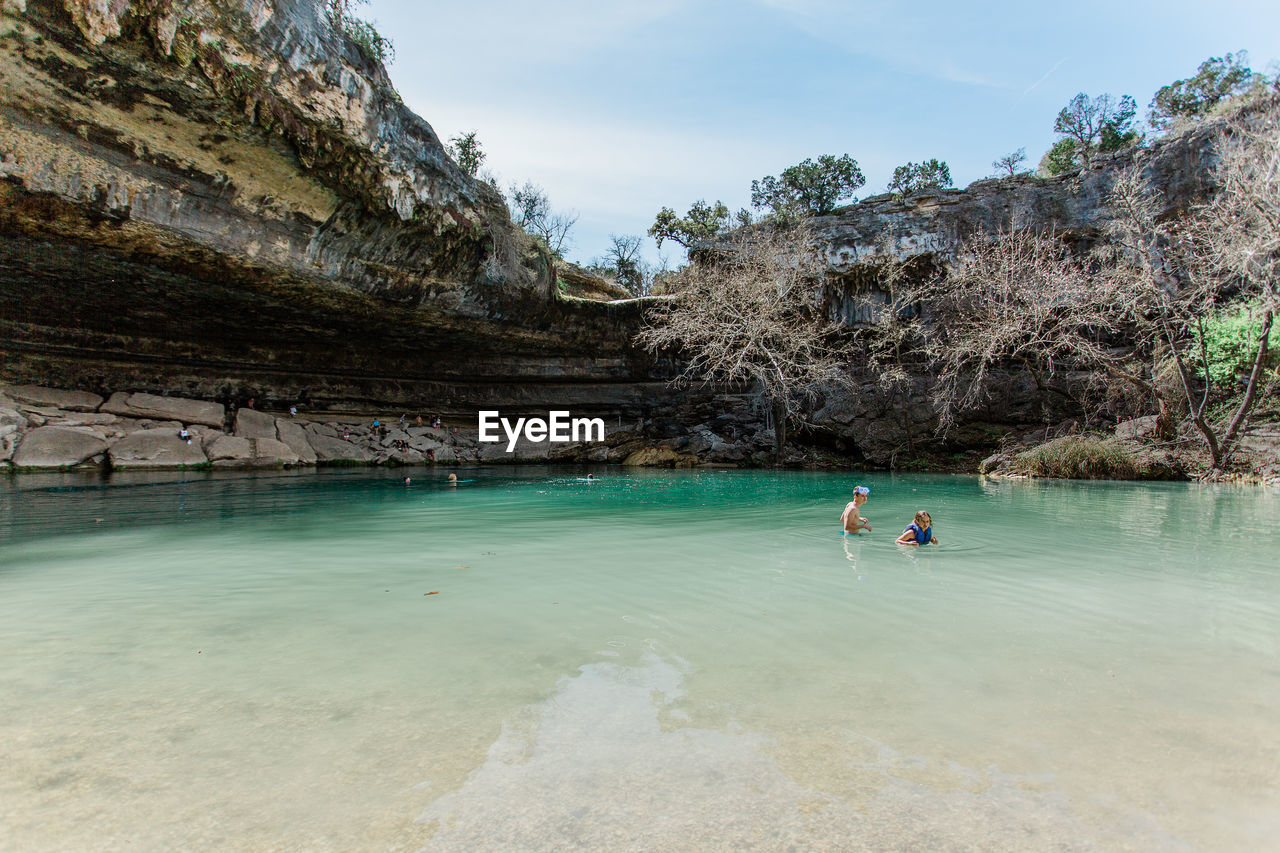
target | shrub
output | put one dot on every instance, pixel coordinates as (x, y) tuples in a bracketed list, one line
[(1078, 457), (365, 36), (1231, 341)]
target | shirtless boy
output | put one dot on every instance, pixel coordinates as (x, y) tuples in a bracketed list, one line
[(852, 520)]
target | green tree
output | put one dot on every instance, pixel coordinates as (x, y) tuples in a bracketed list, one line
[(1060, 158), (810, 188), (913, 177), (702, 222), (1097, 125), (1217, 79), (465, 149)]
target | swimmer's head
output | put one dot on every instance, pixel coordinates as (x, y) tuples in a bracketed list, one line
[(923, 519), (453, 478)]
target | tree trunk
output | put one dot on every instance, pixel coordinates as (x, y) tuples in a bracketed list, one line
[(779, 431), (1251, 389)]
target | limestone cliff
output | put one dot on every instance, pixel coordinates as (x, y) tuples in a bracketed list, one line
[(228, 194)]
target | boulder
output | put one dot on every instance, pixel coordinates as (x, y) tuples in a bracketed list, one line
[(658, 457), (84, 418), (166, 408), (401, 457), (9, 438), (393, 436), (293, 434), (277, 452), (254, 424), (155, 448), (335, 451), (57, 447), (1137, 428), (12, 417), (424, 443), (231, 451), (56, 398), (228, 447), (439, 435), (524, 451)]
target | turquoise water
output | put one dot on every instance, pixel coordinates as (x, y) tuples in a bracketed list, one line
[(654, 661)]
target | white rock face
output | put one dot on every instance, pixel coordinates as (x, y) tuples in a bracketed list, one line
[(155, 448), (277, 452), (57, 447), (329, 449), (228, 447), (254, 424), (69, 401), (166, 408), (293, 434), (230, 451)]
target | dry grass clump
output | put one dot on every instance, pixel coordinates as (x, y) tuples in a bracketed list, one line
[(1078, 457)]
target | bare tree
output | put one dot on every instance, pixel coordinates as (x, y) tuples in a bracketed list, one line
[(1007, 166), (1135, 305), (750, 312), (1022, 296), (531, 210), (623, 260)]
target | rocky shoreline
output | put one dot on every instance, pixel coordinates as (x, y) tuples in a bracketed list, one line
[(50, 429)]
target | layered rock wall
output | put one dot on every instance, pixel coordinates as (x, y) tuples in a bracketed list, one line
[(227, 198)]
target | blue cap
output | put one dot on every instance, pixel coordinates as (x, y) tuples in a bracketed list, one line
[(861, 490)]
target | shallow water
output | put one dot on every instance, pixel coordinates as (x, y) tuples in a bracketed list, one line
[(654, 661)]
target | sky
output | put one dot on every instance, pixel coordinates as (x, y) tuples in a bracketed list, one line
[(617, 109)]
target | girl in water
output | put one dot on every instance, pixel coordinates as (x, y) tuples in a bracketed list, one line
[(919, 532)]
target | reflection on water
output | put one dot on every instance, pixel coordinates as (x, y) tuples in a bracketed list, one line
[(658, 660)]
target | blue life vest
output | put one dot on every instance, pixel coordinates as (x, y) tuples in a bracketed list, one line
[(923, 537)]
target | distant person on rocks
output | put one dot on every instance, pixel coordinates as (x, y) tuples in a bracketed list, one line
[(249, 405), (346, 433), (419, 420), (376, 423), (852, 521), (436, 423), (919, 532), (404, 420), (293, 411), (185, 435)]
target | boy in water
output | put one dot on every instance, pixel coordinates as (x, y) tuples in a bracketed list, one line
[(852, 520), (919, 532)]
